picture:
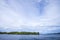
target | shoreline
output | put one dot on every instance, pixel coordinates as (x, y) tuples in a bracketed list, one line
[(21, 33)]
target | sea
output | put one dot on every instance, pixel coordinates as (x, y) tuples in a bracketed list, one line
[(30, 37)]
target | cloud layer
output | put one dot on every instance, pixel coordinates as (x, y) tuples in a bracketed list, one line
[(29, 15)]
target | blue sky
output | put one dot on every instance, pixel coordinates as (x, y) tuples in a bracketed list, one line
[(30, 15)]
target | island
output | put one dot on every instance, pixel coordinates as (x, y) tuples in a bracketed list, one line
[(21, 33)]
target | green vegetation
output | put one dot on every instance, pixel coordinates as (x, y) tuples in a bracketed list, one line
[(21, 33)]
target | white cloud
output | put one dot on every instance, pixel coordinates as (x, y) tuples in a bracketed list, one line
[(15, 13)]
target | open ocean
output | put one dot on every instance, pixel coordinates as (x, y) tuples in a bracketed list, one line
[(30, 37)]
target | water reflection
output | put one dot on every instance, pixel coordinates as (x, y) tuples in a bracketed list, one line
[(29, 37)]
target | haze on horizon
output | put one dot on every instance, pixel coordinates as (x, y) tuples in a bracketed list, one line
[(30, 15)]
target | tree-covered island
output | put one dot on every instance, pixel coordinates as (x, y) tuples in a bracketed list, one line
[(21, 33)]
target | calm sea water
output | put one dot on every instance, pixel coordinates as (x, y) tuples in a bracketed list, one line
[(29, 37)]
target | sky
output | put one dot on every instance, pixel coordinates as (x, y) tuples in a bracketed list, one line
[(30, 15)]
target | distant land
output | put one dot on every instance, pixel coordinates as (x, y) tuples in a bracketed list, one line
[(53, 33), (21, 33)]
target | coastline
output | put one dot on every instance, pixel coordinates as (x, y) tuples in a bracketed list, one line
[(21, 33)]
